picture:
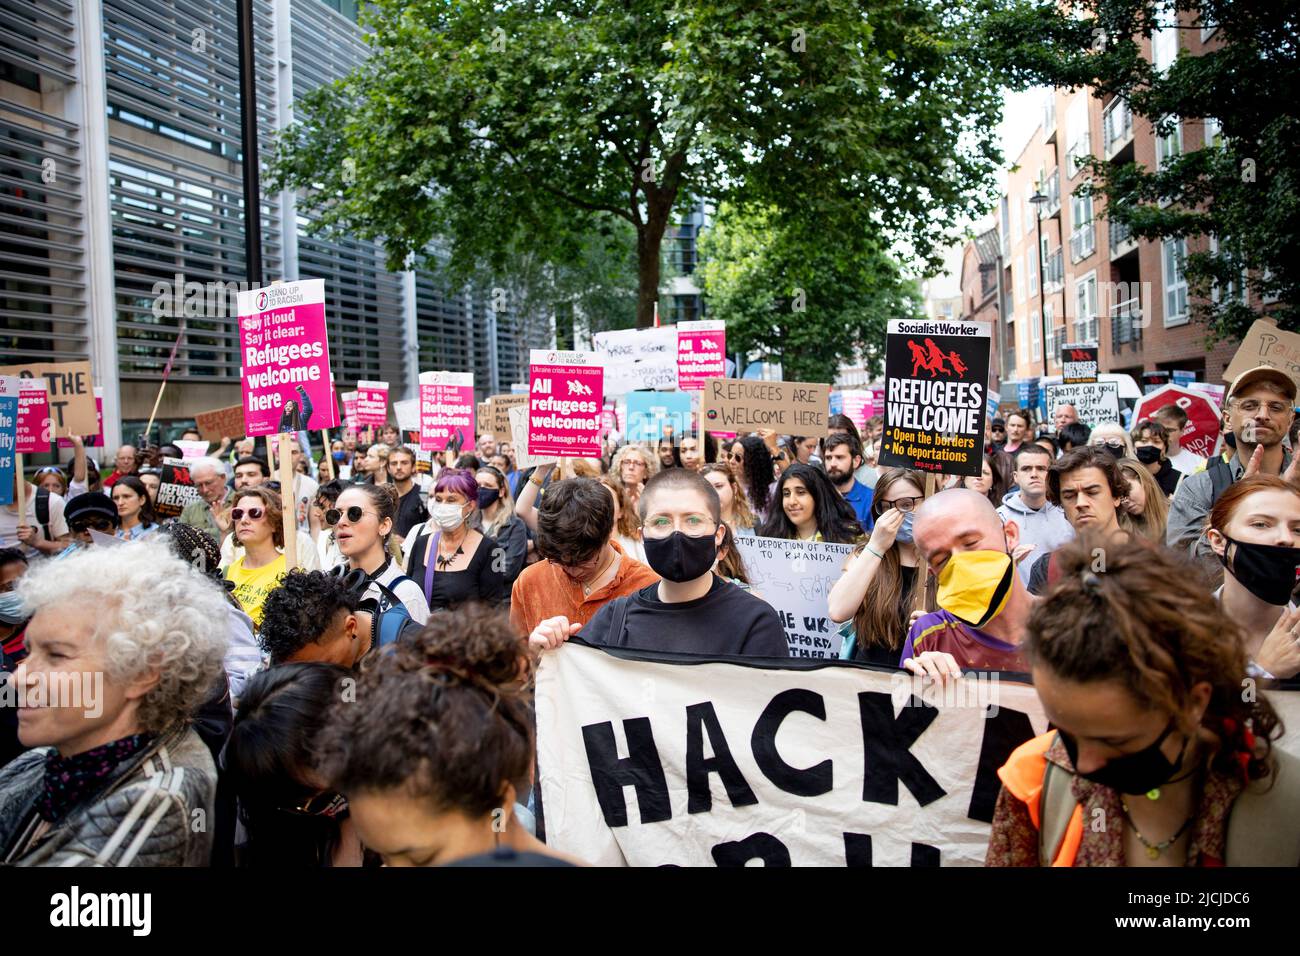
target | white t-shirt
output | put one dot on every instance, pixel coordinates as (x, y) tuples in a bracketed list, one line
[(408, 592), (9, 522), (1186, 461)]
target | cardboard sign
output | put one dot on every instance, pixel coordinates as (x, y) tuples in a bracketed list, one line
[(565, 400), (1265, 344), (71, 391), (498, 417), (221, 423), (483, 417), (746, 405), (1078, 364), (372, 404), (701, 353), (176, 488), (651, 415), (407, 414), (285, 356), (446, 410), (1095, 403), (10, 388), (519, 438), (936, 375), (35, 429), (638, 359), (796, 578), (96, 440), (1201, 433)]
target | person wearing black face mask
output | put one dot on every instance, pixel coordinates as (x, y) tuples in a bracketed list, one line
[(1254, 529), (1139, 672), (690, 610), (497, 520), (1150, 445)]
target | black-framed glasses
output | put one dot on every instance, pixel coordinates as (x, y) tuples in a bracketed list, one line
[(253, 513), (82, 525), (354, 514), (902, 504)]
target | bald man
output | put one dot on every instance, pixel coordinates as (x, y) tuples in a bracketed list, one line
[(983, 603)]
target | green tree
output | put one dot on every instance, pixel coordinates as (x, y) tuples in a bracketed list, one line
[(790, 297), (1244, 190), (516, 129)]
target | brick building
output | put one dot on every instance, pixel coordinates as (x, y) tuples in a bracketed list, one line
[(1097, 283)]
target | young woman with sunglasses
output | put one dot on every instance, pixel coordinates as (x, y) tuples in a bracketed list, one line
[(259, 529), (363, 520), (134, 509), (751, 463), (875, 596), (452, 561)]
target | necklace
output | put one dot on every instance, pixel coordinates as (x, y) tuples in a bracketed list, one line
[(586, 588), (444, 562), (1154, 849)]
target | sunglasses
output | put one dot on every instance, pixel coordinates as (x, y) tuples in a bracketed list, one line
[(254, 513), (86, 524), (732, 456), (49, 470), (354, 515)]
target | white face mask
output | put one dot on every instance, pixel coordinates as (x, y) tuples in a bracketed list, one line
[(447, 516)]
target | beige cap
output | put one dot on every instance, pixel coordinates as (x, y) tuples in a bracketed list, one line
[(1263, 373)]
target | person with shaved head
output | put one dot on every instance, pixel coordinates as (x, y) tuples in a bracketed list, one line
[(983, 603)]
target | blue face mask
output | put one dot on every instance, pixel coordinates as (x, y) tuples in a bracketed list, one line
[(905, 529), (11, 608), (340, 455)]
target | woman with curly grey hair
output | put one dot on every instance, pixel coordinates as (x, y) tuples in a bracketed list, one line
[(124, 644)]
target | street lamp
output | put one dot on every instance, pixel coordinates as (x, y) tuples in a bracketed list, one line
[(1038, 199)]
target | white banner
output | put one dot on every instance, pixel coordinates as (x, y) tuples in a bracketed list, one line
[(1096, 402), (796, 578), (651, 762), (638, 359)]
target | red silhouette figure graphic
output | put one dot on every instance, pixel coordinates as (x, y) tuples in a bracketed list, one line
[(935, 361)]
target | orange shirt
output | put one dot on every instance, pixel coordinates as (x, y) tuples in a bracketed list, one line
[(543, 591)]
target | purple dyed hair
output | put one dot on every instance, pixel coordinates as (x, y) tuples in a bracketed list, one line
[(459, 480)]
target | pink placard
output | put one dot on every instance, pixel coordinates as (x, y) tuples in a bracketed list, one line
[(350, 410), (878, 402), (566, 397), (35, 430), (446, 410), (96, 440), (372, 404), (701, 353), (286, 360)]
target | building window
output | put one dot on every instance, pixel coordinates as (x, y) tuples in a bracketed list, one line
[(1233, 291), (1213, 131), (1085, 308), (1030, 212), (1007, 222), (1035, 338), (1032, 275), (1174, 254), (1020, 277), (1170, 144), (1083, 241), (1079, 136), (1164, 39)]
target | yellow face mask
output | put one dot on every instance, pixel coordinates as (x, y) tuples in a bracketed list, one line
[(974, 586)]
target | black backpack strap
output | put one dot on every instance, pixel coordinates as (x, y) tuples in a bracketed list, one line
[(619, 613), (1220, 473), (43, 512)]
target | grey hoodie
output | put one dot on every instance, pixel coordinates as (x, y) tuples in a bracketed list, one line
[(1047, 528)]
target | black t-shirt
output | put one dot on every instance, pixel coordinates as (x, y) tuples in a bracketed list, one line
[(1167, 477), (410, 512), (873, 653), (483, 580), (727, 620)]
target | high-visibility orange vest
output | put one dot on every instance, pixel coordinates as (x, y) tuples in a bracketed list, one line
[(1023, 775)]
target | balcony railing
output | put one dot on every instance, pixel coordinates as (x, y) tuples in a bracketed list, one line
[(1083, 242), (1126, 324), (1078, 150), (1052, 190), (1117, 125), (1054, 272), (1121, 239), (1085, 329)]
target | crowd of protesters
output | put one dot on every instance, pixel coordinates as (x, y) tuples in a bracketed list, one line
[(1135, 584)]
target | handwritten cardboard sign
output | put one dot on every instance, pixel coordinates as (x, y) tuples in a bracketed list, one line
[(498, 415), (72, 396), (221, 423), (746, 405), (1264, 344)]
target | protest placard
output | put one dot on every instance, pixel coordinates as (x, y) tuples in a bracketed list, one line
[(858, 405), (637, 359), (1095, 403), (175, 489), (407, 414), (192, 450), (71, 394), (10, 388), (565, 401), (446, 410), (1078, 364), (746, 405), (1264, 344), (96, 440), (221, 423), (285, 356), (651, 414), (518, 437), (796, 577), (499, 413), (372, 404), (35, 428), (1201, 433), (701, 353), (936, 375), (349, 401), (483, 418)]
